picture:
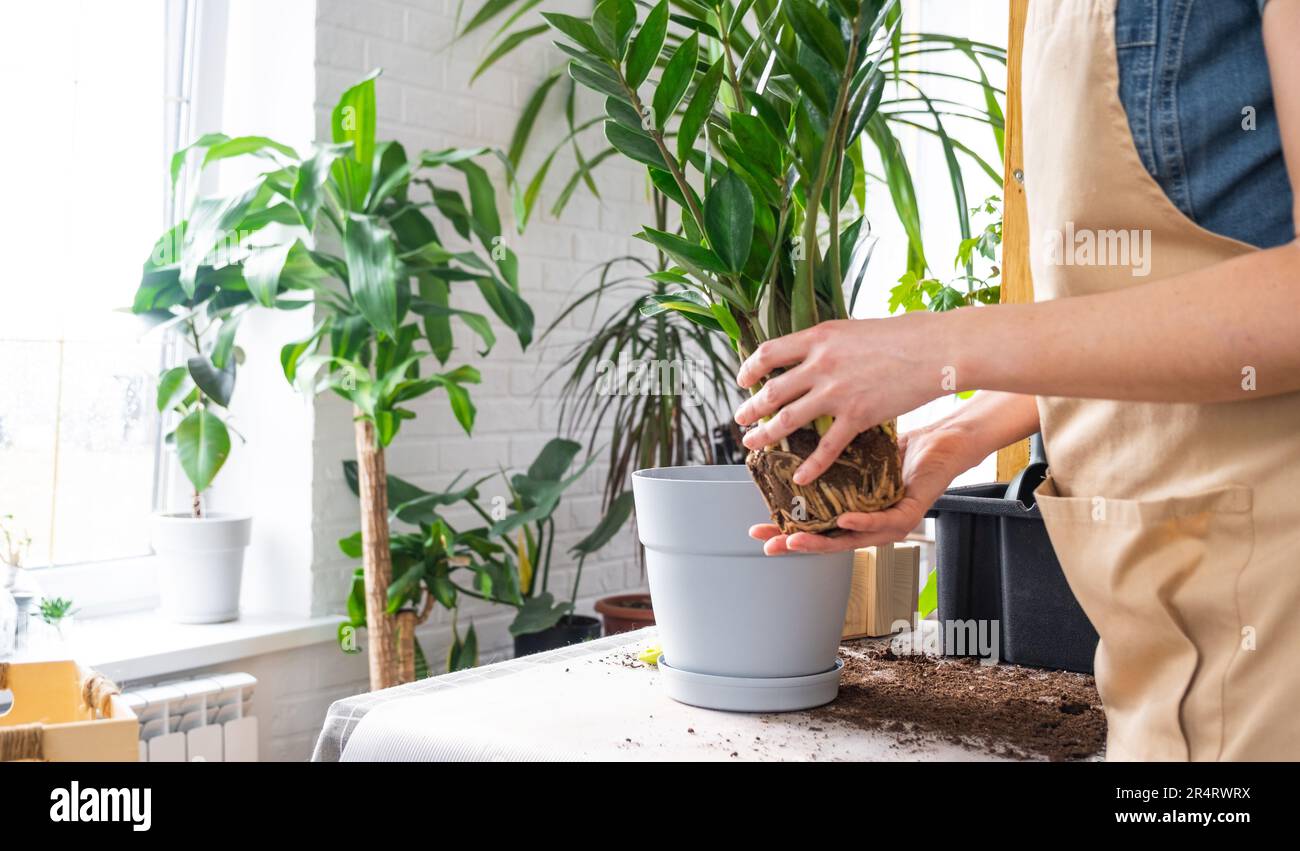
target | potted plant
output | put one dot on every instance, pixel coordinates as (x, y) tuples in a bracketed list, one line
[(354, 239), (192, 287), (760, 169), (434, 564), (527, 524)]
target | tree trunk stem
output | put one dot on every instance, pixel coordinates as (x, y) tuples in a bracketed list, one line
[(377, 564)]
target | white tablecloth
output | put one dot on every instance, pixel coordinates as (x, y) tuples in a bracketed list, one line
[(587, 702)]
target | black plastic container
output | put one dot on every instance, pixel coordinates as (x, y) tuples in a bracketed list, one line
[(572, 629), (996, 563)]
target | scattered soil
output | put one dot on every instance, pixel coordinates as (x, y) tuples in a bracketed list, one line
[(866, 477), (1004, 710)]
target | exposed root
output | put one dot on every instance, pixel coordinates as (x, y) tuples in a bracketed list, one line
[(866, 477)]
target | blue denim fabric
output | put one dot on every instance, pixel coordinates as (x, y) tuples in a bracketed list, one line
[(1187, 69)]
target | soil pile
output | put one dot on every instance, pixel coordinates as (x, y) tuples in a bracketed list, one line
[(1004, 710)]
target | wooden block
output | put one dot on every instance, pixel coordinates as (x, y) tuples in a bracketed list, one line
[(884, 589)]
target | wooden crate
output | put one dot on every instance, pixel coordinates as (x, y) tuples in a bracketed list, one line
[(885, 585), (51, 717)]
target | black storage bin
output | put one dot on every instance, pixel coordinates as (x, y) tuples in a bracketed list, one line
[(995, 562)]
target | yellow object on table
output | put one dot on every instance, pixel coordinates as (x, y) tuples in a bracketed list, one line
[(883, 595), (62, 712)]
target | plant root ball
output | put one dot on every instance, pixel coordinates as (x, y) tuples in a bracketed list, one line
[(868, 476)]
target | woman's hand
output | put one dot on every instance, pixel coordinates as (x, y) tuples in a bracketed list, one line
[(932, 458), (862, 372)]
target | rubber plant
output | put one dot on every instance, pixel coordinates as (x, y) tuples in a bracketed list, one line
[(759, 173), (353, 238)]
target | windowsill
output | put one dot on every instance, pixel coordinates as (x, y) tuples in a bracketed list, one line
[(145, 645)]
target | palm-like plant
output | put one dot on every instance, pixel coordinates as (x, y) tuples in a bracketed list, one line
[(759, 172), (342, 229)]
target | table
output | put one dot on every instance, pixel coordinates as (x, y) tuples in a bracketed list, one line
[(591, 701)]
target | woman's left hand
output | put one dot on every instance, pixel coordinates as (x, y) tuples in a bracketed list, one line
[(862, 372)]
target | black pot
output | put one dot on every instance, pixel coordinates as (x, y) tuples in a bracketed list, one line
[(996, 563), (572, 629)]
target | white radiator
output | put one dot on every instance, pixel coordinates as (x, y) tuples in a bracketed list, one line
[(205, 719)]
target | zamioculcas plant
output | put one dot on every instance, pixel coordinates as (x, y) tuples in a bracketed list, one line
[(355, 239), (761, 174), (904, 104)]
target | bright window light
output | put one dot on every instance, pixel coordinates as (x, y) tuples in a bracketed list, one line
[(83, 140)]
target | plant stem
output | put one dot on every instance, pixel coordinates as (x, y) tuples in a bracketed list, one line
[(377, 564), (669, 160)]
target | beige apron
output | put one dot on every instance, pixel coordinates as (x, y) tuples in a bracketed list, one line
[(1178, 525)]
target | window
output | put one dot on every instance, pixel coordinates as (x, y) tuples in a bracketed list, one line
[(89, 123)]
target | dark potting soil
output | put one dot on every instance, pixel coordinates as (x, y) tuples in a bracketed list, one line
[(1003, 710)]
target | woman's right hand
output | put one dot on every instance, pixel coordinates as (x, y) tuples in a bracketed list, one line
[(932, 457)]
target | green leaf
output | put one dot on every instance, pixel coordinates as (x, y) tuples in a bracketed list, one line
[(688, 303), (685, 251), (505, 46), (172, 387), (240, 145), (928, 600), (463, 654), (555, 458), (634, 145), (579, 31), (729, 220), (619, 510), (816, 30), (262, 271), (538, 613), (373, 271), (646, 46), (351, 545), (225, 344), (218, 384), (602, 83), (613, 21), (353, 121), (697, 111), (676, 79), (203, 444), (528, 118)]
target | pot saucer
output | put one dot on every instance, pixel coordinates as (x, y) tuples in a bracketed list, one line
[(751, 694)]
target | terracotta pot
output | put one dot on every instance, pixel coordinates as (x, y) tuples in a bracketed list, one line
[(625, 612)]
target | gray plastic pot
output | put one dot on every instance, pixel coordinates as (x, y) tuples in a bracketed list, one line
[(722, 607)]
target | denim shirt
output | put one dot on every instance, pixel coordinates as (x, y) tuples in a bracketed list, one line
[(1191, 75)]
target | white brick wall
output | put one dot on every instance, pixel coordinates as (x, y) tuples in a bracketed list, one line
[(425, 101)]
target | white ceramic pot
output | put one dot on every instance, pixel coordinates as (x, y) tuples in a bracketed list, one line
[(722, 607), (201, 563)]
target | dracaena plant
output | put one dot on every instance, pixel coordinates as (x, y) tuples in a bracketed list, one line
[(762, 171), (349, 229), (197, 294)]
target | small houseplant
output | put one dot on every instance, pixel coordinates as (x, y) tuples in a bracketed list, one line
[(506, 560), (192, 287), (354, 239), (528, 524)]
